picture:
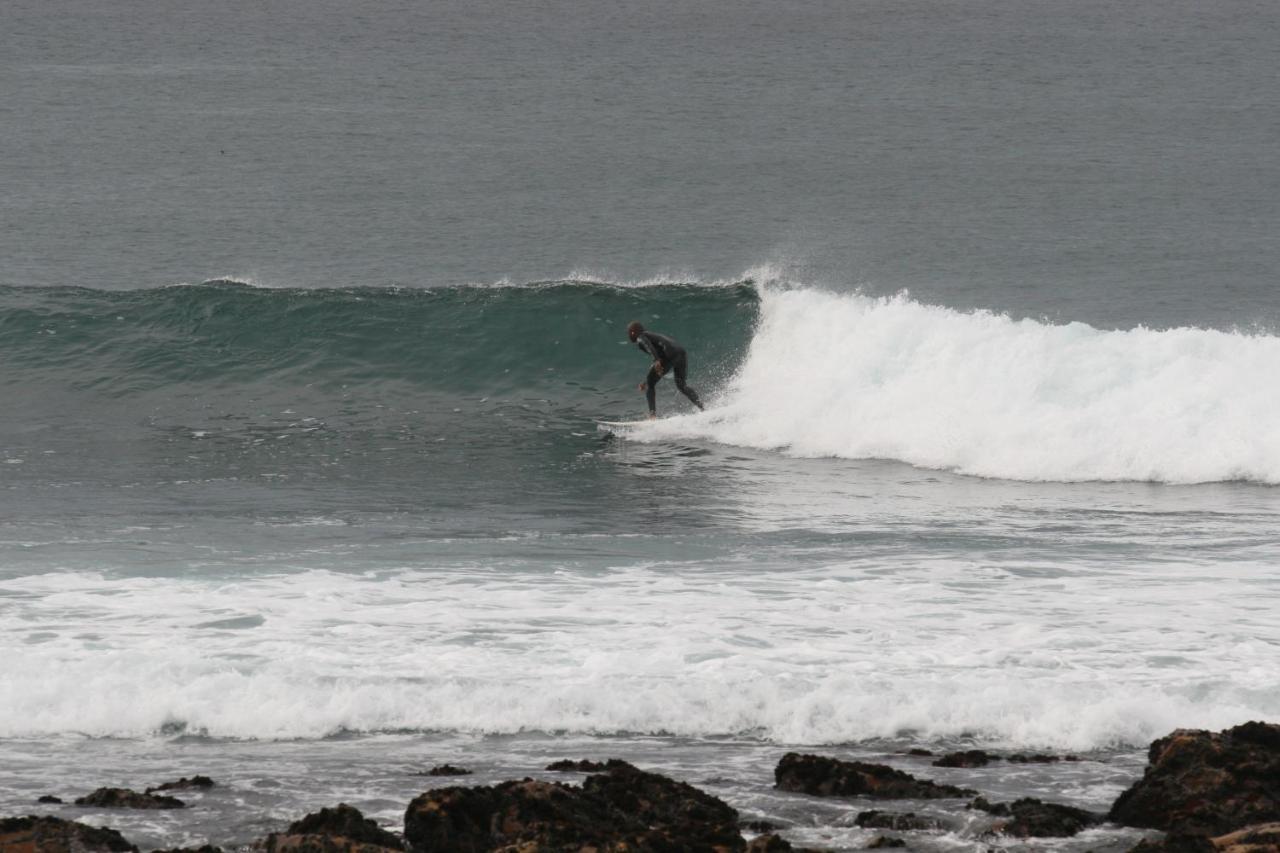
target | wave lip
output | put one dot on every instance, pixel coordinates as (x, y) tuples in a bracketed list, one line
[(982, 394)]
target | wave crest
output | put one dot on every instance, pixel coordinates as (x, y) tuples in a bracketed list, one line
[(983, 394)]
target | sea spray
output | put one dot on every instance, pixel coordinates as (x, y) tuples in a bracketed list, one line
[(980, 393)]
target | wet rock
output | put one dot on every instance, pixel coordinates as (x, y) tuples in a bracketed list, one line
[(33, 834), (923, 753), (204, 848), (1262, 838), (885, 841), (622, 807), (659, 801), (1205, 783), (1035, 759), (968, 758), (982, 804), (525, 813), (760, 826), (830, 777), (769, 844), (346, 821), (1031, 818), (49, 798), (448, 770), (583, 766), (284, 843), (1175, 844), (203, 783), (900, 821), (123, 798), (338, 830)]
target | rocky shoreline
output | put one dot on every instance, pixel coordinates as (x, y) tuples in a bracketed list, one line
[(1206, 792)]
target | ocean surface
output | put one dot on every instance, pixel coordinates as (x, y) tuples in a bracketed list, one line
[(309, 310)]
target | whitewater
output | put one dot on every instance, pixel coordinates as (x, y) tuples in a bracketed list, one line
[(835, 653), (980, 393)]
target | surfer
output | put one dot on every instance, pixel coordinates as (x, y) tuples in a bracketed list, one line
[(667, 355)]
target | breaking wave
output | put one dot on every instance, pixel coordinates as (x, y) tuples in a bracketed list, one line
[(805, 371), (845, 375)]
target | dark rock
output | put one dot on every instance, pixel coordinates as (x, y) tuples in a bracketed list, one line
[(202, 782), (282, 843), (540, 814), (882, 841), (49, 798), (123, 798), (338, 830), (761, 826), (770, 843), (33, 834), (204, 848), (1209, 784), (1175, 844), (1265, 735), (448, 770), (920, 752), (900, 821), (1035, 759), (661, 802), (622, 807), (346, 821), (969, 758), (583, 766), (830, 777), (1031, 818), (1261, 838), (981, 804)]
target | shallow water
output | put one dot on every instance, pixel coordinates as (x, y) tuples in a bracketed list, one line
[(263, 786)]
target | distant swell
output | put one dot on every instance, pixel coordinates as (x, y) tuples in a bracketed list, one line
[(982, 394)]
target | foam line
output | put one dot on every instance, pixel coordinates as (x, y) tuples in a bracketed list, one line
[(823, 655)]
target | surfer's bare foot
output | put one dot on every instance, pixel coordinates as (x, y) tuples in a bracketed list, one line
[(653, 417)]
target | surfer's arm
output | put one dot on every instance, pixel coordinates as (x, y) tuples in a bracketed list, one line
[(655, 373)]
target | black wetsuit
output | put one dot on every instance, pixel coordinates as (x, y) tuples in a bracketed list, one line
[(673, 359)]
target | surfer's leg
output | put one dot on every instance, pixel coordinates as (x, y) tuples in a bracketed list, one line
[(650, 392), (680, 368)]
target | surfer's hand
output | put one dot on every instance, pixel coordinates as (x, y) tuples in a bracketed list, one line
[(640, 386), (658, 368)]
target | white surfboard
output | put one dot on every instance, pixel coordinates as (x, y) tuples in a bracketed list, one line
[(623, 424)]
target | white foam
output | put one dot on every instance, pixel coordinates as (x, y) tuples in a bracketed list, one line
[(814, 655), (762, 275), (979, 393)]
